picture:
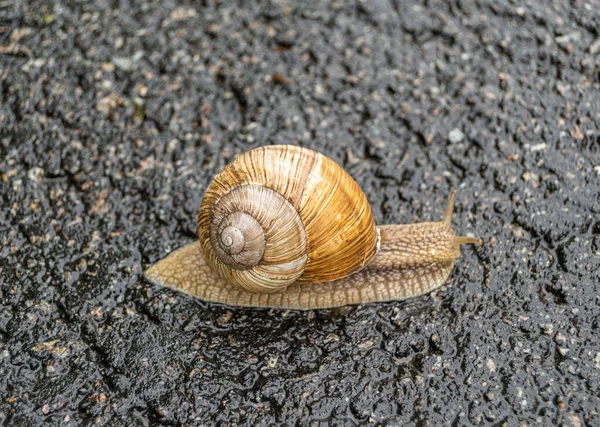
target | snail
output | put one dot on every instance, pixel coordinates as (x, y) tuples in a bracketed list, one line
[(286, 227)]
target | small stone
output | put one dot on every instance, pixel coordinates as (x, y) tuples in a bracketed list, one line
[(224, 319), (142, 90), (547, 328), (107, 67), (36, 174), (595, 47), (107, 104), (456, 136), (182, 13), (127, 63), (335, 338), (281, 79), (568, 38), (575, 420), (352, 159), (212, 29), (576, 133), (271, 362)]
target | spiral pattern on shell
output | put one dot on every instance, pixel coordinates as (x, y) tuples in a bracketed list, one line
[(283, 214), (259, 238)]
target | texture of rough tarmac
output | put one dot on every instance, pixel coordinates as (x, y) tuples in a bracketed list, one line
[(114, 116)]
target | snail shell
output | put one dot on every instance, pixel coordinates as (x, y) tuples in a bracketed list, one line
[(282, 214), (286, 227)]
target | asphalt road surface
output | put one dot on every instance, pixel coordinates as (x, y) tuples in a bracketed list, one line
[(114, 117)]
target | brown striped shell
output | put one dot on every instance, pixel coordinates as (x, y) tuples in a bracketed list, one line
[(283, 214)]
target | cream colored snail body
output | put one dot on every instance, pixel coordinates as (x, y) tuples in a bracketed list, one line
[(286, 227)]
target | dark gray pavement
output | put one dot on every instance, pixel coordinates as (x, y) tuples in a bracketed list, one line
[(114, 116)]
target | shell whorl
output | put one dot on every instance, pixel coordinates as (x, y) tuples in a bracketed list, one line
[(258, 237)]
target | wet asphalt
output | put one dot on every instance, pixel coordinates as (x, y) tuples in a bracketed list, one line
[(114, 116)]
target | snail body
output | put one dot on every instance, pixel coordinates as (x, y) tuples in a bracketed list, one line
[(286, 227)]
